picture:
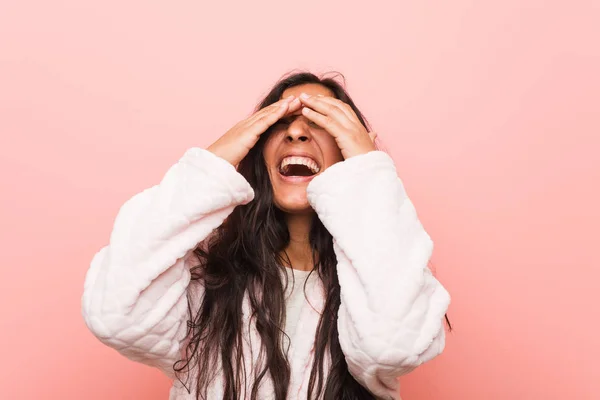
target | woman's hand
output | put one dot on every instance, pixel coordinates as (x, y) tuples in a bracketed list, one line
[(338, 118), (237, 142)]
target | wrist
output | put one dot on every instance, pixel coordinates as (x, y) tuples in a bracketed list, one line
[(361, 150), (219, 152)]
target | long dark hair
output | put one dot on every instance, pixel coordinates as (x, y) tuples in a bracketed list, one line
[(242, 257)]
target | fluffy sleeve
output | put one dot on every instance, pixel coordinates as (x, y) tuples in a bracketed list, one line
[(134, 297), (392, 308)]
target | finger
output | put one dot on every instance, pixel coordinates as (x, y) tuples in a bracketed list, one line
[(279, 110), (324, 121), (330, 110), (273, 108), (261, 123), (344, 107), (294, 106)]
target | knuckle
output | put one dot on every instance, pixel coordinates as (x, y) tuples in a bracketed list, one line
[(338, 102), (261, 121)]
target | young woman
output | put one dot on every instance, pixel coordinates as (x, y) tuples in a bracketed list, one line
[(285, 261)]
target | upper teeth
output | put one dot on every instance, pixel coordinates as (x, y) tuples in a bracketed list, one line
[(300, 161)]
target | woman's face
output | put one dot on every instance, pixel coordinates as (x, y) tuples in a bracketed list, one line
[(296, 152)]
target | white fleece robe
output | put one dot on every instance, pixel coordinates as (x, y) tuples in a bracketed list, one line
[(392, 308)]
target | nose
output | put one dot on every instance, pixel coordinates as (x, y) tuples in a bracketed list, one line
[(298, 131)]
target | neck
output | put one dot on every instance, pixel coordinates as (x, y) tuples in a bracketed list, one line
[(298, 251)]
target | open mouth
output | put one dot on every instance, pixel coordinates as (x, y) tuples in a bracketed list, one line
[(298, 166)]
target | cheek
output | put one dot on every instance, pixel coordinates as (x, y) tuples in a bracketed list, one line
[(331, 151), (269, 152)]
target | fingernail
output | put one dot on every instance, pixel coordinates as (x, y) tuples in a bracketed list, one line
[(304, 96), (291, 96)]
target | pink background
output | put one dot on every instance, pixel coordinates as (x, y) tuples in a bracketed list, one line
[(490, 108)]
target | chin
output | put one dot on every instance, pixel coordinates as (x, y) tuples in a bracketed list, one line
[(296, 209), (295, 202)]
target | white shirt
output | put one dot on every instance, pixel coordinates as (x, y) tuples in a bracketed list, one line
[(295, 296)]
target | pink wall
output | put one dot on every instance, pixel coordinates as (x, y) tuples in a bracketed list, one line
[(491, 109)]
